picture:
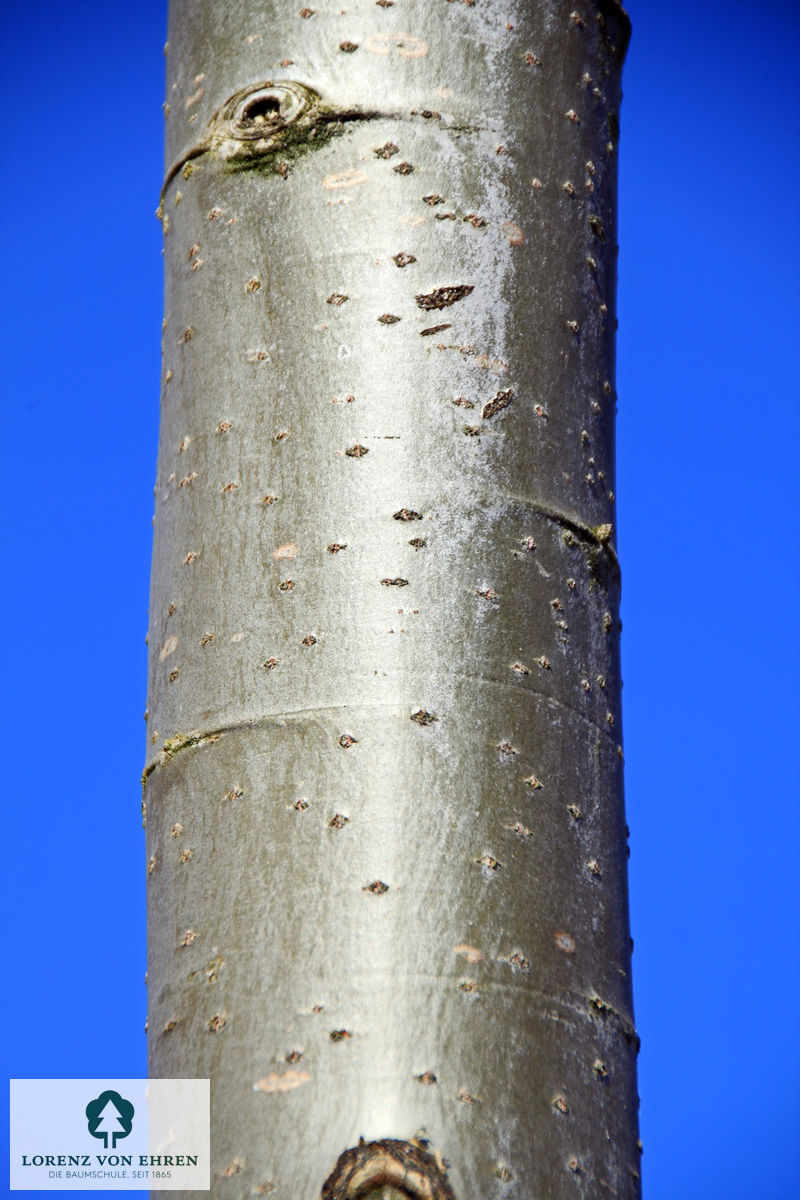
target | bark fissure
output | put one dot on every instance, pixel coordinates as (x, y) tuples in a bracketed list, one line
[(598, 536), (200, 738), (586, 1007)]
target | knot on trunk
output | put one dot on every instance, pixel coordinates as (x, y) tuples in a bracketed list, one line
[(404, 1166), (254, 121), (267, 125)]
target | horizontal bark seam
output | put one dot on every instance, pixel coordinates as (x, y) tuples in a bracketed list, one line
[(205, 144), (198, 738), (588, 533), (577, 1004), (188, 741)]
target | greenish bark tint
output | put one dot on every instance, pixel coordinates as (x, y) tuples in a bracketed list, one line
[(386, 837)]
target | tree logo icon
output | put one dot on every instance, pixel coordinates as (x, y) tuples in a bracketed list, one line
[(109, 1116)]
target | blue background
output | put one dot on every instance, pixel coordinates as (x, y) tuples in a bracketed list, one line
[(709, 416)]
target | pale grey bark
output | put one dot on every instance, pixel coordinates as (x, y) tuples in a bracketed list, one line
[(385, 823)]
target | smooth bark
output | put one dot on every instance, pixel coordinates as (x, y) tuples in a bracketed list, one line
[(386, 838)]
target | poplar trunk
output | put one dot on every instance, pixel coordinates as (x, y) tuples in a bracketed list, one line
[(384, 810)]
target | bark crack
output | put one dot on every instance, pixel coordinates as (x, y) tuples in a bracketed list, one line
[(598, 536), (188, 741)]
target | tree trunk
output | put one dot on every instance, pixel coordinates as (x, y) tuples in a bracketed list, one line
[(385, 823)]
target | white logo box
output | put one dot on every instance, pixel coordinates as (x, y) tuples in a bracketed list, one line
[(138, 1134)]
